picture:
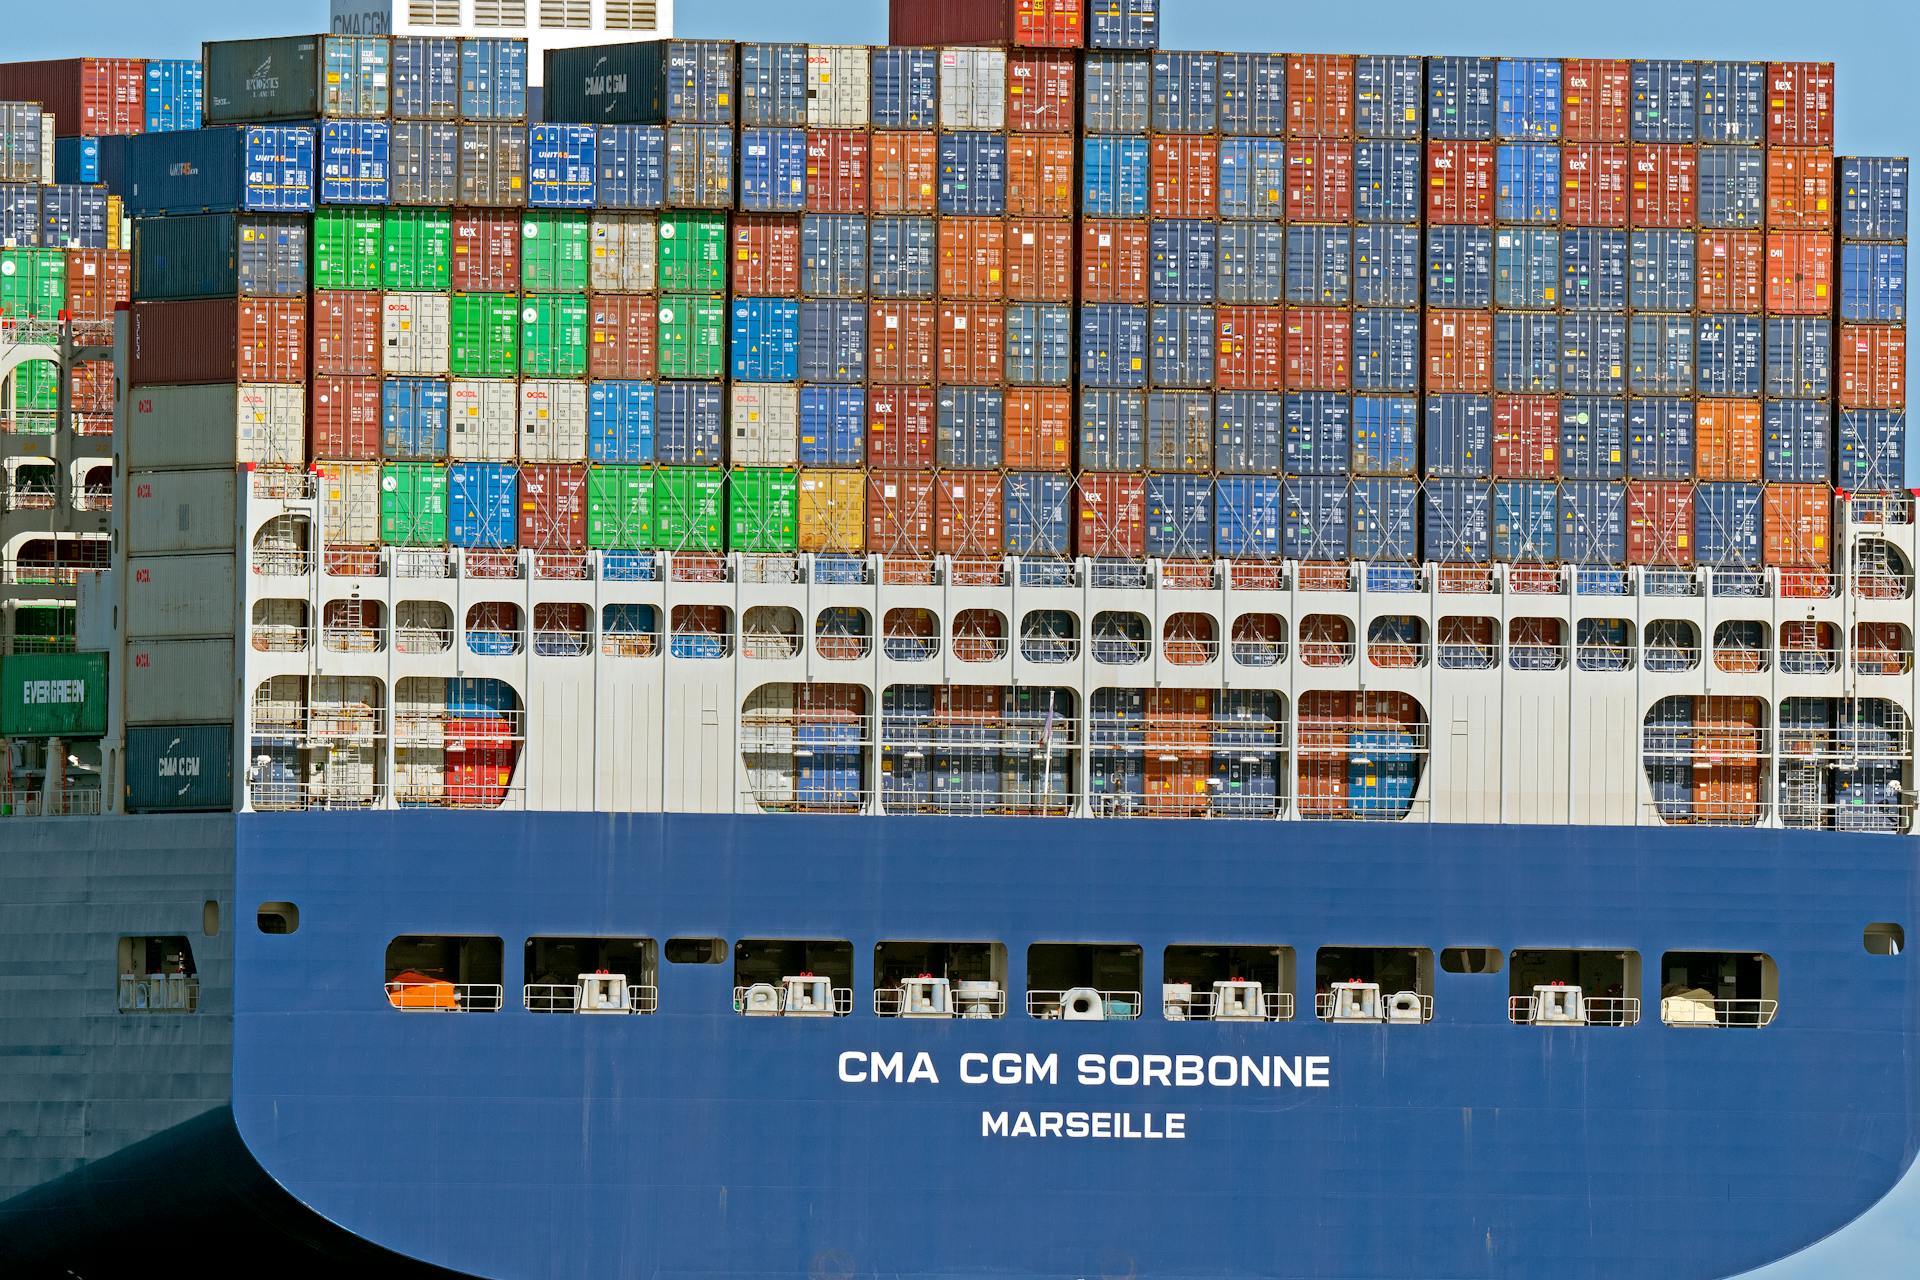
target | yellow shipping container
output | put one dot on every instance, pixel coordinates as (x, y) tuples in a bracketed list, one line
[(833, 510)]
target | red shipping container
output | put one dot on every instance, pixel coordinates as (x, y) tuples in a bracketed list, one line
[(1727, 440), (1319, 344), (1253, 348), (972, 339), (621, 336), (1113, 260), (1799, 273), (1323, 783), (88, 97), (480, 756), (345, 419), (1800, 189), (92, 386), (1798, 526), (1319, 181), (766, 254), (1526, 437), (967, 513), (900, 427), (1039, 260), (838, 165), (972, 258), (1873, 366), (1460, 351), (1593, 184), (1665, 185), (98, 281), (1320, 95), (486, 252), (1112, 515), (553, 506), (1182, 170), (905, 172), (1038, 429), (1659, 522), (218, 340), (1040, 92), (346, 333), (1460, 182), (1800, 104), (1053, 24), (900, 343), (1731, 270), (1040, 175), (900, 513), (1596, 99)]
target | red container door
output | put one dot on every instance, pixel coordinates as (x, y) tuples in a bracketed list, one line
[(1251, 348), (900, 343), (1800, 274), (1319, 181), (1319, 342), (1873, 366), (1040, 92), (766, 255), (553, 506), (1732, 271), (1113, 260), (905, 173), (1460, 182), (1659, 522), (972, 258), (1664, 192), (972, 343), (838, 167), (1596, 100), (1039, 257), (1800, 189), (1798, 523), (1320, 95), (1460, 351), (345, 417), (98, 281), (621, 336), (1593, 185), (900, 513), (1039, 429), (1040, 181), (1111, 520), (1182, 171), (967, 513), (1526, 437), (1800, 104), (486, 252), (900, 433), (346, 333)]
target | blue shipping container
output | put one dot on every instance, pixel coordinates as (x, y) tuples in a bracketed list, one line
[(1528, 109), (1797, 447), (1593, 354), (1593, 269), (1179, 431), (76, 160), (1039, 344), (764, 339), (1115, 92), (1113, 429), (1036, 511), (833, 255), (1460, 98), (1526, 268), (902, 257), (1386, 266), (1123, 24), (1665, 98), (1799, 357), (354, 157), (630, 166), (833, 426), (1385, 520), (1593, 522), (1253, 177), (413, 419), (1252, 266), (426, 77), (1733, 102), (906, 89), (1873, 449), (175, 89), (1459, 437), (1727, 524), (1183, 346), (1732, 187), (258, 169), (493, 79), (1873, 283), (1181, 260), (1526, 352), (1459, 267), (1319, 265), (1179, 516), (1455, 521), (1388, 90), (1662, 271), (1186, 89), (1386, 435), (1873, 198), (1660, 350), (1253, 95), (1660, 435), (1249, 432), (1313, 518), (1593, 438), (1526, 522), (1319, 440), (773, 170), (562, 163), (483, 504), (1114, 177), (833, 341), (1247, 517), (620, 422), (973, 174), (1729, 354), (1386, 351), (1386, 182), (689, 424), (773, 84), (970, 428), (73, 216), (1526, 183)]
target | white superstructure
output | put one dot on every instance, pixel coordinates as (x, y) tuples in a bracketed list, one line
[(543, 24)]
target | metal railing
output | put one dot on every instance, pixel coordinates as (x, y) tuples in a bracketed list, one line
[(773, 999), (26, 498), (1275, 1006), (1062, 1006), (274, 637), (268, 791), (564, 997), (29, 802), (763, 645), (91, 498), (1396, 655), (36, 574), (888, 1002), (980, 648), (1668, 659), (1327, 653), (1258, 653), (43, 644), (417, 640), (1184, 652), (158, 993), (1325, 1003), (351, 639), (555, 642), (1686, 1011), (446, 997), (1596, 1011)]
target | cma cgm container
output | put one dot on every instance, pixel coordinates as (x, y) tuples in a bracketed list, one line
[(87, 97), (296, 78), (258, 169), (648, 82)]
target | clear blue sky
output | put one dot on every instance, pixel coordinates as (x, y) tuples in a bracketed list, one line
[(1873, 42)]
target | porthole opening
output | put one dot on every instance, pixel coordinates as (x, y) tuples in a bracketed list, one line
[(1885, 939), (1470, 959), (277, 917), (695, 950)]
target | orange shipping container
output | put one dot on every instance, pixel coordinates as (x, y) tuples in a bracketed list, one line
[(1176, 787), (1800, 104), (1039, 260), (1873, 366), (218, 340), (1460, 182), (1732, 271), (766, 254), (838, 167), (1659, 522), (345, 419), (1319, 343), (1320, 95), (1182, 172), (1040, 92), (346, 333), (905, 173), (1664, 185), (900, 512), (1460, 351), (900, 342), (1727, 792), (1323, 783), (832, 510), (972, 258), (1526, 437), (1251, 348), (98, 281), (1040, 175), (1800, 189), (620, 336), (1727, 439), (1113, 260), (1593, 184), (967, 513), (972, 339), (1798, 526), (1799, 273), (1596, 100), (1319, 181), (1038, 429), (900, 427), (93, 386)]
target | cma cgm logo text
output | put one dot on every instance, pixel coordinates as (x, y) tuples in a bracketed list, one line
[(600, 82), (263, 80), (370, 23), (179, 766)]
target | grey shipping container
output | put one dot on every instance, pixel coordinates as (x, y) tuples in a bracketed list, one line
[(1799, 355), (631, 162), (1386, 266), (1179, 516), (179, 768), (1456, 521), (1728, 352), (1458, 436), (212, 255), (1593, 438), (424, 162), (833, 341), (493, 79), (1593, 354), (1249, 432), (1183, 346), (645, 82), (1593, 269), (1113, 430), (1116, 92), (20, 213), (1181, 255), (21, 142), (1186, 89), (493, 165), (1319, 266), (1386, 350), (1179, 431), (1387, 96), (1526, 352), (1385, 517), (833, 255), (1252, 269), (286, 78), (1731, 186), (699, 167), (1660, 355), (1459, 267), (1662, 269), (1526, 268), (970, 428), (1039, 344), (902, 257), (1386, 181), (773, 85), (426, 77)]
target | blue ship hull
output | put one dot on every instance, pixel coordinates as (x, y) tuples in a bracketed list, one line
[(696, 1141)]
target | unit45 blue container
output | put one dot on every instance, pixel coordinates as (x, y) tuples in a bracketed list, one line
[(1526, 183), (1873, 283), (1179, 516), (1665, 100), (773, 170), (1247, 517), (970, 428), (1253, 179), (1593, 438), (620, 422), (1186, 91), (1386, 351), (1528, 106), (1455, 521), (1460, 98), (906, 88), (1386, 266), (1035, 512), (689, 424), (1386, 181), (1459, 267), (175, 87), (1593, 269), (833, 255), (1873, 198), (1319, 266), (1114, 177), (1387, 96), (1181, 260), (354, 157), (1726, 524), (482, 504), (1797, 446), (1732, 187), (1113, 346), (902, 257), (1039, 344), (1729, 354), (1660, 439), (773, 84), (973, 174), (1593, 354), (833, 341), (1253, 95), (1249, 432), (1384, 516), (258, 169), (1459, 436), (1113, 430), (1386, 435), (765, 339), (1252, 264), (413, 419), (833, 426), (630, 166), (562, 163), (1733, 102), (1873, 450), (1593, 522)]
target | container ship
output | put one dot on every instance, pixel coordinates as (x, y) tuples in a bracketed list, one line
[(550, 651)]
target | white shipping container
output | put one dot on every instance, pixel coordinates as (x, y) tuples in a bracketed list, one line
[(345, 706), (279, 702), (420, 775), (173, 511), (415, 334), (973, 88), (217, 425), (345, 773), (279, 625), (483, 421), (47, 130), (553, 422), (625, 253), (179, 681), (764, 421), (349, 502), (180, 597), (420, 709), (837, 86)]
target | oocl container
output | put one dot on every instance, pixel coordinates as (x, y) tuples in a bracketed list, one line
[(838, 90), (416, 334), (553, 421), (483, 421)]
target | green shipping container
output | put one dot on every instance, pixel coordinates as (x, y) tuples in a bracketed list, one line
[(620, 508), (33, 283), (691, 341), (693, 252), (688, 512), (486, 335), (413, 504), (36, 390), (553, 336), (346, 248), (417, 250), (762, 509), (53, 695), (553, 252)]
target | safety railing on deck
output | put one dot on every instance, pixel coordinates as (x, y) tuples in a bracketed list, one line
[(1084, 1004), (1326, 1005), (158, 993), (1595, 1011), (763, 999), (1201, 1006), (889, 1002), (1682, 1010), (565, 997), (446, 997), (28, 802)]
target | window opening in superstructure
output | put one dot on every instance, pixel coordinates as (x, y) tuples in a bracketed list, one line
[(1190, 640), (1326, 640), (1884, 939), (910, 635), (277, 918), (1121, 639), (843, 634), (1359, 755), (95, 490), (770, 633), (1470, 959), (494, 629), (703, 631), (562, 630), (1705, 758), (1050, 636), (1397, 642), (283, 547), (279, 626), (1227, 983), (940, 980), (979, 635), (1880, 571), (210, 918), (1468, 644), (1809, 648), (31, 485), (1741, 646), (1536, 644), (1882, 649), (1574, 988), (978, 749), (695, 950), (629, 631), (1259, 640), (1084, 981), (443, 973), (805, 747), (353, 626), (591, 976), (1373, 984), (1673, 645), (422, 627), (792, 978), (1718, 989), (157, 975), (1603, 644)]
